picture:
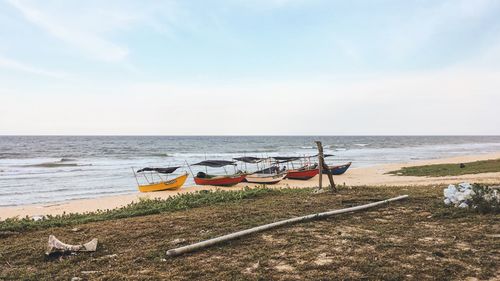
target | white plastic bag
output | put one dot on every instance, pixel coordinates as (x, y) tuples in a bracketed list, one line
[(465, 185), (458, 195), (450, 191)]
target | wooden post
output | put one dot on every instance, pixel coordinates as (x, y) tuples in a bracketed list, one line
[(323, 166), (320, 163)]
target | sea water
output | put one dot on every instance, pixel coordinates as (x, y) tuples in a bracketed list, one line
[(43, 169)]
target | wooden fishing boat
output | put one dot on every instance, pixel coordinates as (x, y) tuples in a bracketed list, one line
[(265, 178), (226, 180), (175, 183), (159, 183), (338, 170), (269, 175), (202, 178), (302, 173), (306, 172)]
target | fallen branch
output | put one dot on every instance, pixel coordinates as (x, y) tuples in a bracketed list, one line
[(210, 242), (56, 246)]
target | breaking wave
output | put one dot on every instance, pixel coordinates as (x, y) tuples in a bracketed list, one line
[(158, 155), (61, 163), (10, 155), (361, 144)]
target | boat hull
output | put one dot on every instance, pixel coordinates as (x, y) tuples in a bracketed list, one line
[(338, 170), (302, 174), (220, 181), (265, 178), (166, 185)]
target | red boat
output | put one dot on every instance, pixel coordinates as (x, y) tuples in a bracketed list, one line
[(219, 180), (202, 178), (302, 174)]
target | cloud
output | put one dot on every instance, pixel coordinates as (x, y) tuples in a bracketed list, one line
[(446, 101), (18, 66), (458, 99), (72, 33), (426, 23)]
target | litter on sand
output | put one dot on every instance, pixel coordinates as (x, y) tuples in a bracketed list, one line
[(56, 246)]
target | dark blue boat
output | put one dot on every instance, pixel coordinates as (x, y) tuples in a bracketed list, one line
[(338, 170)]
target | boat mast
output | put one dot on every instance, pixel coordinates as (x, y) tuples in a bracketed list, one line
[(189, 167), (135, 176)]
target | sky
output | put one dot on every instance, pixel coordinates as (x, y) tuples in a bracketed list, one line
[(256, 67)]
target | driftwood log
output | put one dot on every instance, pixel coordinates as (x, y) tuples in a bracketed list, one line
[(56, 246), (210, 242)]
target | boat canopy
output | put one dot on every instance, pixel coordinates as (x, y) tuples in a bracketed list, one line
[(215, 163), (250, 159), (282, 159), (324, 155), (286, 158), (167, 170)]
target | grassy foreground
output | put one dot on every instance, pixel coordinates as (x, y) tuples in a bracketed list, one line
[(441, 170), (143, 207), (416, 239)]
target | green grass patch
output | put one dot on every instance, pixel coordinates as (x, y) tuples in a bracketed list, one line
[(441, 170), (144, 207)]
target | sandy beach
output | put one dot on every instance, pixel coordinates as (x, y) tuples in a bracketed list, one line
[(375, 175)]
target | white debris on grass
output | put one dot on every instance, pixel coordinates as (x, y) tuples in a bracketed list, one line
[(37, 217), (462, 195), (463, 205)]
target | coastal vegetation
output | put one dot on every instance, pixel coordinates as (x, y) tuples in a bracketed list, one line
[(441, 170), (419, 238), (144, 207)]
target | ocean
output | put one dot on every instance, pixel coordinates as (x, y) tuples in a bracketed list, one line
[(45, 169)]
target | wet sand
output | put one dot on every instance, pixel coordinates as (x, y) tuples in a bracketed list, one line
[(375, 175)]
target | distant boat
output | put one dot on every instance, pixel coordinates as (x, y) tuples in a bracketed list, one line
[(202, 178), (338, 170), (159, 183)]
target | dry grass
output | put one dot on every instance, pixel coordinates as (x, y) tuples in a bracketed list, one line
[(417, 239)]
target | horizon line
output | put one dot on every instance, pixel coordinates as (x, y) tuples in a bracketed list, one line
[(249, 135)]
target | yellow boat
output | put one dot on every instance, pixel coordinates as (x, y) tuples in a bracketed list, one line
[(162, 184)]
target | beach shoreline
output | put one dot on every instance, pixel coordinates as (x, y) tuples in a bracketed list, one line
[(363, 176)]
